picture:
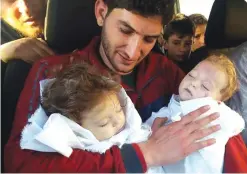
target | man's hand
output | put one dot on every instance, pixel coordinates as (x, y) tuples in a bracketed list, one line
[(27, 49), (171, 143)]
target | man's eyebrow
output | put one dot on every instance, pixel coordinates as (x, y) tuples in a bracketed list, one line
[(177, 40), (126, 24)]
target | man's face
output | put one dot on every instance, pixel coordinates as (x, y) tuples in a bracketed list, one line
[(205, 80), (27, 16), (127, 38), (178, 48), (199, 37)]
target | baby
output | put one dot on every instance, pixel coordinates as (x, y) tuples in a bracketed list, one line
[(81, 109), (211, 81)]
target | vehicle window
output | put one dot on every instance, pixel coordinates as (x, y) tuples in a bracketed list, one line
[(196, 6)]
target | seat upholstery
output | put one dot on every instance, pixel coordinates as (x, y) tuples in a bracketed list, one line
[(70, 24), (227, 24)]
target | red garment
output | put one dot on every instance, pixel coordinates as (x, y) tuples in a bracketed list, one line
[(157, 77), (235, 156)]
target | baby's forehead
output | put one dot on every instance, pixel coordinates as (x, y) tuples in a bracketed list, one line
[(212, 72), (108, 102), (208, 67), (104, 107)]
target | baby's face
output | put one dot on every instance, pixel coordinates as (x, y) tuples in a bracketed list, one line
[(205, 80), (106, 119)]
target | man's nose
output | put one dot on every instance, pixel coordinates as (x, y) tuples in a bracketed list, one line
[(133, 49), (182, 48)]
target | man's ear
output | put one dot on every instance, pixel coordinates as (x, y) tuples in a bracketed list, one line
[(100, 10), (166, 44)]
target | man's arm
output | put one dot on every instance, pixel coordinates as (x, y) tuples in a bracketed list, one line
[(26, 49), (235, 156)]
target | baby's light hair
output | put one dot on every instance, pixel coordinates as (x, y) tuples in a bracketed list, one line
[(222, 62)]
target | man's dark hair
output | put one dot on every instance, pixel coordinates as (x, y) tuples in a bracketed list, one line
[(180, 25), (198, 19), (164, 8)]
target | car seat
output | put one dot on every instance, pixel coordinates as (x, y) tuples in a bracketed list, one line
[(70, 24)]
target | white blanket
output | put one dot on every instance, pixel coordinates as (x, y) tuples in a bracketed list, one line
[(210, 159), (59, 134)]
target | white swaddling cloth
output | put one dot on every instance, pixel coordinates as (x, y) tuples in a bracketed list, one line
[(209, 159), (57, 133)]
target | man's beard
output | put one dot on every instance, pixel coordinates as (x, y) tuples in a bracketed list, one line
[(24, 29), (107, 48)]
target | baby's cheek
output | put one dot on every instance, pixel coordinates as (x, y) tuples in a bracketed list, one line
[(201, 94), (209, 94)]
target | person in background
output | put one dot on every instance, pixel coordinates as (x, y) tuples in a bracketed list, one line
[(26, 17), (178, 37), (200, 22), (22, 25)]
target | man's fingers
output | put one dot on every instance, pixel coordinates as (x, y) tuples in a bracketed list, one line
[(198, 124), (199, 145), (158, 122), (193, 115), (197, 135)]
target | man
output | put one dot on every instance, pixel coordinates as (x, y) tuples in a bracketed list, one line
[(129, 31), (25, 16), (19, 19), (201, 23)]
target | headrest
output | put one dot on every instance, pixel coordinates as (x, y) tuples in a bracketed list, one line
[(227, 24), (70, 24)]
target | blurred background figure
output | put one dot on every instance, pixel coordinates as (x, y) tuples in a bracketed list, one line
[(22, 26), (200, 22), (26, 17), (178, 38)]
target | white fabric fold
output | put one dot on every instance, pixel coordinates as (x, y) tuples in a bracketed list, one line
[(209, 159), (57, 133)]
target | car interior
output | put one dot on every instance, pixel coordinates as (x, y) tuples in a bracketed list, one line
[(70, 25)]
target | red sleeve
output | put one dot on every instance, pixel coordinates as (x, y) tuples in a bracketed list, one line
[(235, 156), (17, 160)]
